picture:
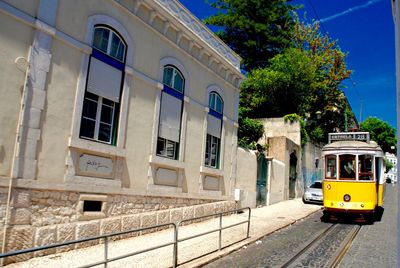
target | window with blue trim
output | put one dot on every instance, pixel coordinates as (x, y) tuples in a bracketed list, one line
[(214, 129), (169, 127), (101, 104)]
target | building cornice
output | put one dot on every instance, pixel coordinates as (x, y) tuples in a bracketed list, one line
[(188, 22), (204, 50)]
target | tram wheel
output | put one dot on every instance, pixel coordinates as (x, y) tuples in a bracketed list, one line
[(326, 216)]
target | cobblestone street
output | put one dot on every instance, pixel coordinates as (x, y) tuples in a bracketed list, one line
[(375, 245)]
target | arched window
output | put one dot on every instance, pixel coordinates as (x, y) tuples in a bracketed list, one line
[(101, 104), (214, 128), (109, 42), (215, 102), (169, 128), (173, 78)]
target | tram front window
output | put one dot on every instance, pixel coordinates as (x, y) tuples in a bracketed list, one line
[(347, 167), (365, 168), (330, 170)]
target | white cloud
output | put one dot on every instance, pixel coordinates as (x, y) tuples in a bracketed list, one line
[(350, 10)]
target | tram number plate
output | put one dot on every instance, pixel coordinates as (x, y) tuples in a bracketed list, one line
[(355, 136)]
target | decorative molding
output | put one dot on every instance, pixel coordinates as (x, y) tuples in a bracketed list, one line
[(190, 22), (153, 15), (171, 22), (167, 24), (96, 147), (179, 38), (211, 171), (191, 45), (137, 6), (83, 46), (166, 162), (44, 27)]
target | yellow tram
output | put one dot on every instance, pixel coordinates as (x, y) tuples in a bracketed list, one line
[(353, 175)]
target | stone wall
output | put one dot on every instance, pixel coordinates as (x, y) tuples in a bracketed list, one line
[(246, 180), (40, 218), (277, 127), (42, 208), (312, 163)]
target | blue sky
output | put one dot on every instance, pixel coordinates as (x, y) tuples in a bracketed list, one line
[(365, 30)]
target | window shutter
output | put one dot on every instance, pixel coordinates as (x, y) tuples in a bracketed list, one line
[(170, 117), (214, 126), (104, 80)]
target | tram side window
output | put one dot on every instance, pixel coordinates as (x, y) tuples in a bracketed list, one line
[(330, 171), (347, 167), (378, 167), (365, 168)]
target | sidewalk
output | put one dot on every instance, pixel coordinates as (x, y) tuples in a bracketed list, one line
[(264, 220)]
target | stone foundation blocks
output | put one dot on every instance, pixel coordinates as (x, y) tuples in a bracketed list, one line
[(66, 232), (109, 226), (86, 230), (147, 220), (130, 222), (19, 237), (176, 215), (20, 216), (45, 236)]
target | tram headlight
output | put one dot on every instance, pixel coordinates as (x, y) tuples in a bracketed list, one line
[(346, 198)]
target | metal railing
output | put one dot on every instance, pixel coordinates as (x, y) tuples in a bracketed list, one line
[(213, 231), (174, 242)]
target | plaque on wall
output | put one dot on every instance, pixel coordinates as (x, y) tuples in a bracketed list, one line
[(211, 183), (166, 177), (93, 165)]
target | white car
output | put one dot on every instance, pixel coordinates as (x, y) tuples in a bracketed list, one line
[(313, 193)]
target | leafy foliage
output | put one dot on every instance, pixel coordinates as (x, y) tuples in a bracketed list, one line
[(381, 132), (292, 68), (389, 165), (303, 80), (256, 29), (329, 109), (282, 88), (250, 131)]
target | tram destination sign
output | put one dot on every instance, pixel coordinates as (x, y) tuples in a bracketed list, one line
[(349, 136)]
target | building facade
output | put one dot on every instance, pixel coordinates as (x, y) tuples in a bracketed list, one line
[(111, 109), (392, 173)]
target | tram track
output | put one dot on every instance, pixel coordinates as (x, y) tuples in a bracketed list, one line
[(337, 260), (331, 261)]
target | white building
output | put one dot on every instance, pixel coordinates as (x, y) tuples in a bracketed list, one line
[(392, 174), (111, 110)]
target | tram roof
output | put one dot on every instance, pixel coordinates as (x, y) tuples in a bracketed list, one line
[(352, 145)]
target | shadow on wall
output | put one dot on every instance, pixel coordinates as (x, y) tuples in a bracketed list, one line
[(2, 153)]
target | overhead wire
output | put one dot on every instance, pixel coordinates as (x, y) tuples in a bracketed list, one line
[(321, 24)]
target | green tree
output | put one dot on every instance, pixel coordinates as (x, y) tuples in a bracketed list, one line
[(381, 132), (255, 29), (329, 108), (250, 131), (285, 87), (389, 165)]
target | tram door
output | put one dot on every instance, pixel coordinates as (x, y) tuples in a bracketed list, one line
[(292, 176), (262, 173)]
